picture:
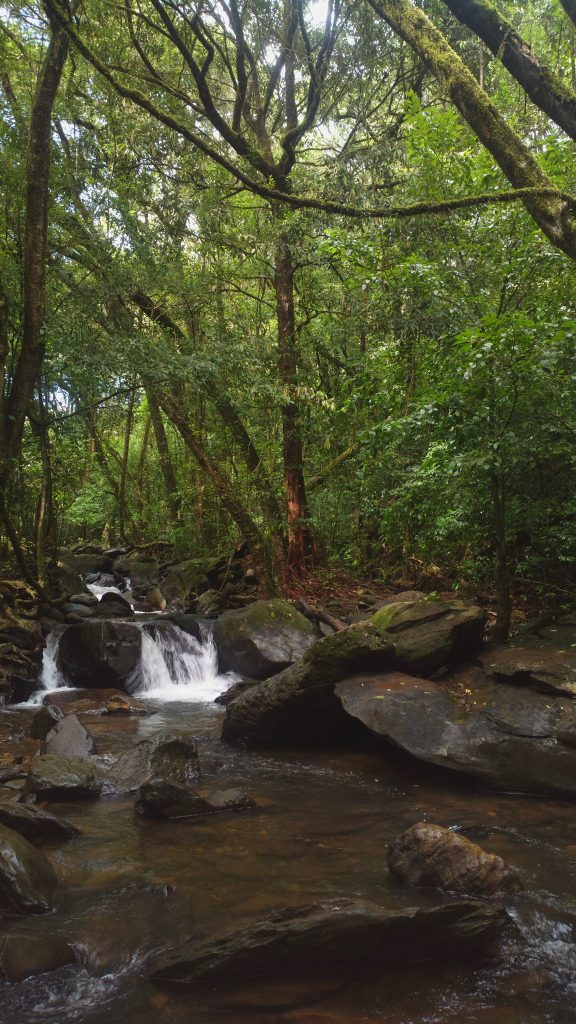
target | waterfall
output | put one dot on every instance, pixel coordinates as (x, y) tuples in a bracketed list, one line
[(51, 677), (176, 666)]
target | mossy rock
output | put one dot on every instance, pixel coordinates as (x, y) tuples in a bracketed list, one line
[(192, 576), (429, 634), (262, 639)]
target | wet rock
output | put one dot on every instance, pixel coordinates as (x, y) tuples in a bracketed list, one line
[(430, 634), (432, 855), (298, 705), (190, 624), (324, 938), (262, 639), (45, 720), (210, 603), (532, 662), (80, 611), (88, 599), (27, 879), (86, 563), (63, 582), (501, 735), (102, 654), (121, 705), (164, 756), (34, 824), (116, 609), (52, 777), (235, 691), (69, 738), (164, 798), (155, 599), (24, 955)]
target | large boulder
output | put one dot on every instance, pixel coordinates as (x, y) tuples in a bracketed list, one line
[(533, 662), (337, 935), (163, 756), (27, 879), (69, 738), (85, 563), (102, 654), (430, 634), (192, 576), (432, 855), (164, 798), (34, 824), (513, 739), (62, 778), (298, 705), (262, 639)]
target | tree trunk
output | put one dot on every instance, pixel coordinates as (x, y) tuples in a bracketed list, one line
[(570, 8), (553, 214), (260, 550), (301, 547), (501, 573), (166, 467), (122, 506), (543, 87), (46, 543)]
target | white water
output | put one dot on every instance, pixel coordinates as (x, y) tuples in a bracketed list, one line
[(176, 666)]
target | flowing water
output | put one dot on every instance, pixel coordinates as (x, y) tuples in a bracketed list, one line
[(131, 887)]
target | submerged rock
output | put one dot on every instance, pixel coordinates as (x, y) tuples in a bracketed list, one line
[(102, 653), (27, 879), (298, 705), (34, 824), (429, 634), (69, 738), (432, 855), (164, 798), (24, 955), (262, 639), (52, 777), (510, 738), (335, 935), (164, 756)]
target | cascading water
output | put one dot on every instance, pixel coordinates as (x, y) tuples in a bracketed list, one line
[(176, 666)]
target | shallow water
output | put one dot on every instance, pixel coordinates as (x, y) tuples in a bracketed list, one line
[(131, 887)]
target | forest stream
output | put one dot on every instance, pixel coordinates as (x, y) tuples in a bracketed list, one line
[(131, 887)]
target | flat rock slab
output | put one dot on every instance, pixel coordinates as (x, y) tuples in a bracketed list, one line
[(28, 881), (35, 824), (335, 935), (536, 663), (510, 738), (23, 956), (62, 778), (69, 738), (431, 855)]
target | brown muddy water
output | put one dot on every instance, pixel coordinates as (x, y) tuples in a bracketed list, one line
[(131, 887)]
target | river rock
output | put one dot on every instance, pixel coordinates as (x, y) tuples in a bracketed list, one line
[(80, 611), (102, 654), (533, 662), (69, 738), (298, 705), (174, 758), (192, 576), (27, 879), (164, 798), (262, 639), (510, 738), (24, 955), (52, 777), (190, 624), (34, 824), (88, 599), (432, 855), (337, 935), (45, 720), (429, 634), (86, 563)]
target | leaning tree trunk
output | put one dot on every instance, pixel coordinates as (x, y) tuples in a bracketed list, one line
[(302, 549)]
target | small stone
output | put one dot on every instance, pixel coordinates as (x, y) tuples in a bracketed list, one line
[(69, 738), (34, 824), (58, 778), (45, 720), (27, 879)]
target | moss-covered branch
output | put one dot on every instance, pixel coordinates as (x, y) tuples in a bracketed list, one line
[(544, 88)]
